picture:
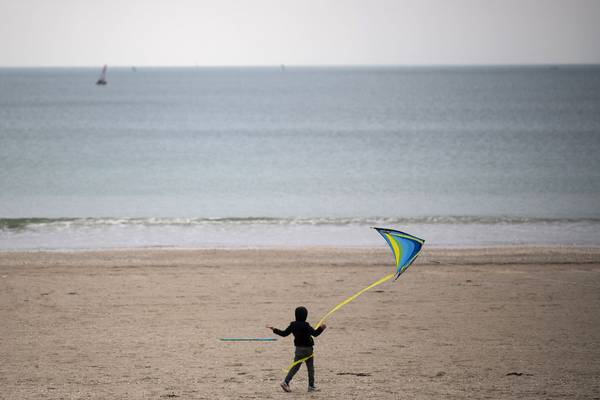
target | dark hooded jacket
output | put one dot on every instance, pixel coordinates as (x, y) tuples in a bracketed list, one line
[(301, 329)]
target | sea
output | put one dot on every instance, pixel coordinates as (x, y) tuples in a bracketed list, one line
[(299, 156)]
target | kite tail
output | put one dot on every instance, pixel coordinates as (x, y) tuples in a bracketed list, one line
[(298, 362), (354, 296)]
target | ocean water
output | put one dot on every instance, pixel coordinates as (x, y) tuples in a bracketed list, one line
[(246, 157)]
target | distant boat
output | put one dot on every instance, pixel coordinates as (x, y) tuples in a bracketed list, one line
[(102, 79)]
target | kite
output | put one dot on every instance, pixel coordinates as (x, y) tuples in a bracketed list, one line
[(405, 248)]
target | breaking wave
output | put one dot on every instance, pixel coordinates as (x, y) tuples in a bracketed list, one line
[(11, 224)]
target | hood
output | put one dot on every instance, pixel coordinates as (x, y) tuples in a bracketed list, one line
[(301, 314)]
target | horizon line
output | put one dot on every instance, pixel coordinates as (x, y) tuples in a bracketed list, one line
[(234, 66)]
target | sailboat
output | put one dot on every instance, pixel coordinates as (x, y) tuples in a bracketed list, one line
[(102, 79)]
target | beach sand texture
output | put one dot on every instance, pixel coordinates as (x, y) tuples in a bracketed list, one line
[(519, 322)]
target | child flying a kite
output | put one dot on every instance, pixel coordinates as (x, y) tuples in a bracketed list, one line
[(405, 247), (304, 343)]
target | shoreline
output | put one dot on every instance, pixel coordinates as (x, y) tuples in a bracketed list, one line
[(526, 253), (98, 235), (430, 247)]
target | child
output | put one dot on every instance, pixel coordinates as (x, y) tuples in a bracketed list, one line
[(304, 346)]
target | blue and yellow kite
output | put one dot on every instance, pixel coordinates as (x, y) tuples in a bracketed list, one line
[(405, 247)]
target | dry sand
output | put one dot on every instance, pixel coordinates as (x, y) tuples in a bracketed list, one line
[(144, 324)]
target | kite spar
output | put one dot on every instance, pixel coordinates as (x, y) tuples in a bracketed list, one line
[(405, 247)]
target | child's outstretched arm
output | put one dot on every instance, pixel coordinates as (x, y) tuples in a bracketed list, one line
[(284, 333)]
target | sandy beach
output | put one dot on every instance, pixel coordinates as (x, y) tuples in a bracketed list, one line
[(504, 323)]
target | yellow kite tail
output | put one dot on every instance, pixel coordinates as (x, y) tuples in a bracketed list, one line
[(354, 296), (298, 362)]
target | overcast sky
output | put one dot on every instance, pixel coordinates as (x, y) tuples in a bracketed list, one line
[(302, 32)]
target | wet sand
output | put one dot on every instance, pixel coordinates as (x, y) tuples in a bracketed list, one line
[(520, 322)]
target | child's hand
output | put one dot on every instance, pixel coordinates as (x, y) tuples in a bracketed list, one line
[(324, 326), (269, 327)]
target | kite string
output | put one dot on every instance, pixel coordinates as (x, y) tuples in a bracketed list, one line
[(354, 296), (340, 305)]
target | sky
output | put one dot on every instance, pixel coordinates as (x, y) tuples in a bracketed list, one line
[(302, 32)]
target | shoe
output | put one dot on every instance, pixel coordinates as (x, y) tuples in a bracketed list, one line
[(313, 389), (285, 387)]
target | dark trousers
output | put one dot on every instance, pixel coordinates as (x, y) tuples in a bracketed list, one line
[(303, 352)]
